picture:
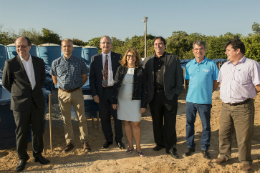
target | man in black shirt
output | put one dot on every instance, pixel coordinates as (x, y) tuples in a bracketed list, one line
[(165, 83)]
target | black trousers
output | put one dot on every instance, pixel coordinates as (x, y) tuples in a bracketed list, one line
[(105, 111), (164, 120), (34, 117)]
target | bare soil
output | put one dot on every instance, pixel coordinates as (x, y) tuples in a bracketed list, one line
[(114, 159)]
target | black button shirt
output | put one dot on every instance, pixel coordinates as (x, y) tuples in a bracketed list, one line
[(158, 71)]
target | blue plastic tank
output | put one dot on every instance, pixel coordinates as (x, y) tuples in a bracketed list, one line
[(88, 52), (49, 52), (11, 50), (2, 56)]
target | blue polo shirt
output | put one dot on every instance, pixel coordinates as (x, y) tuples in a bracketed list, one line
[(201, 76)]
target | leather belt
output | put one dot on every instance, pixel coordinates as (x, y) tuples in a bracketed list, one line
[(69, 91), (108, 87), (240, 103)]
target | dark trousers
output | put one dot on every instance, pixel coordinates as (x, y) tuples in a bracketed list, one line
[(164, 109), (34, 117), (204, 113), (105, 110), (242, 118)]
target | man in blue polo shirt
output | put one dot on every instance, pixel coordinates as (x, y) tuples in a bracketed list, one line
[(202, 75)]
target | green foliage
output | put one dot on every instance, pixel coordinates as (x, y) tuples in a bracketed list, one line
[(32, 34), (256, 28), (252, 45), (79, 42), (95, 42), (49, 37)]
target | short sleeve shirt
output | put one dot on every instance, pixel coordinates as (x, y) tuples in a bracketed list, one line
[(201, 76), (69, 72)]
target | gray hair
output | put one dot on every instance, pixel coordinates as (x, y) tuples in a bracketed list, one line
[(67, 39), (199, 43), (105, 36)]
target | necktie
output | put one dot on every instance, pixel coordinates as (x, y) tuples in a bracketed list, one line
[(105, 73)]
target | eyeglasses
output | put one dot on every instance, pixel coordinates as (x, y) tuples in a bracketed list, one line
[(129, 56), (22, 46)]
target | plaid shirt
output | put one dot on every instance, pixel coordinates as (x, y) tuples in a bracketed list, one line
[(69, 72), (238, 81)]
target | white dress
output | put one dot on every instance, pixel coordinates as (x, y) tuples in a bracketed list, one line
[(128, 109)]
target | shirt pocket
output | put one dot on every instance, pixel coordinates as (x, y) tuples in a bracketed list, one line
[(61, 70), (242, 77)]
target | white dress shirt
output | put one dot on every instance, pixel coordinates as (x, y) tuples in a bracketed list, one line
[(110, 72), (28, 66)]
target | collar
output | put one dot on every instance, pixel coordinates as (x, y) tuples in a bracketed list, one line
[(104, 55), (242, 60), (205, 60), (67, 59), (23, 60)]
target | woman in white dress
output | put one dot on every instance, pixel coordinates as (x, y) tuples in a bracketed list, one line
[(130, 97)]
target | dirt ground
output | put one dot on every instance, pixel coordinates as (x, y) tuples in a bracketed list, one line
[(114, 159)]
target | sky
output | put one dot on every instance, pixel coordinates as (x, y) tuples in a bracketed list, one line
[(87, 19)]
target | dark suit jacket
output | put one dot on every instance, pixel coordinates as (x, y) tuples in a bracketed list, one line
[(16, 81), (96, 75), (173, 76)]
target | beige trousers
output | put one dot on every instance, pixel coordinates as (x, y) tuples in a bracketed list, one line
[(75, 99), (240, 118)]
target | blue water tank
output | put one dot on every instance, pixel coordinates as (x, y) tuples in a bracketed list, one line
[(88, 52), (11, 50), (76, 51), (33, 50), (49, 52), (2, 56)]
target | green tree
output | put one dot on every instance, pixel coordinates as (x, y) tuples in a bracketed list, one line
[(49, 37), (32, 34), (79, 42), (252, 45), (256, 28)]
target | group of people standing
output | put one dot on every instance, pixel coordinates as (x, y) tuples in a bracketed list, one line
[(123, 87)]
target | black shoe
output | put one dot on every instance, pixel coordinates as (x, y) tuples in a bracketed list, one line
[(106, 144), (41, 159), (173, 153), (158, 148), (21, 165), (206, 154), (188, 152), (68, 147), (121, 145)]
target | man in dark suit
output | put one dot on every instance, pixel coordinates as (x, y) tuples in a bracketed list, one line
[(165, 83), (103, 69), (23, 77)]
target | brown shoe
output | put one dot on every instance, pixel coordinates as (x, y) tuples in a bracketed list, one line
[(246, 167), (68, 147), (86, 147), (218, 161)]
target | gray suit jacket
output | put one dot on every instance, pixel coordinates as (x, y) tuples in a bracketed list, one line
[(173, 76), (16, 81), (96, 75)]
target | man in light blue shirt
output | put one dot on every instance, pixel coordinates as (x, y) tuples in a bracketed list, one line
[(202, 75)]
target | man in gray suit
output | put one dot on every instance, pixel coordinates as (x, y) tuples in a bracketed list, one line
[(23, 77), (165, 83)]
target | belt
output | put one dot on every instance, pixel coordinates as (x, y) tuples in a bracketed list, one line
[(108, 87), (240, 103), (69, 91)]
